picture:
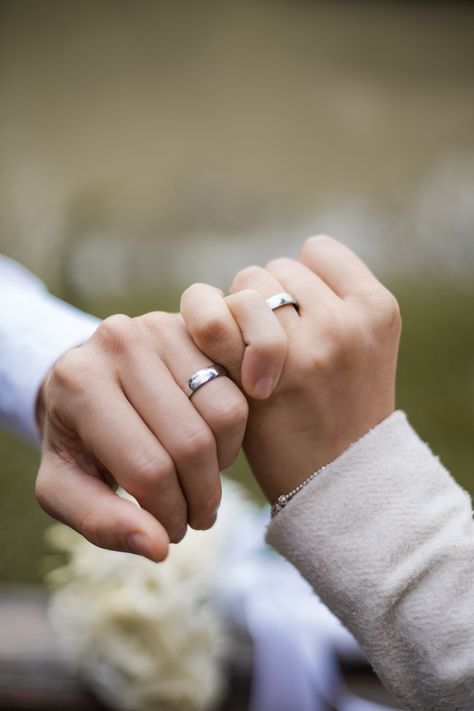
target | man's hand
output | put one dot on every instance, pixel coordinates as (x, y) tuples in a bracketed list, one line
[(339, 376), (113, 412)]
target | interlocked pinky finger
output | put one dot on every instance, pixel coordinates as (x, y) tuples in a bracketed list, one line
[(265, 339), (212, 327), (239, 332)]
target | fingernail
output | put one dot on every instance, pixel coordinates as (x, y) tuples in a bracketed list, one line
[(263, 387), (139, 543)]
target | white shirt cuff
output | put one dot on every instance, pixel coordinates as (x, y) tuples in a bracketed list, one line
[(36, 329)]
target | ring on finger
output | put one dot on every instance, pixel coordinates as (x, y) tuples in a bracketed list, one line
[(203, 376), (282, 299)]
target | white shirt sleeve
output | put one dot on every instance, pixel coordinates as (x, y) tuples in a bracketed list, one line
[(386, 538), (36, 329)]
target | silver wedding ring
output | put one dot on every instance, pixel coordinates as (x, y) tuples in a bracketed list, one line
[(203, 376), (282, 299)]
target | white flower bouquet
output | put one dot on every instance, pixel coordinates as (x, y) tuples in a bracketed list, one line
[(145, 636)]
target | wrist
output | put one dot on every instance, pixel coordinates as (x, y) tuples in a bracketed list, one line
[(281, 464)]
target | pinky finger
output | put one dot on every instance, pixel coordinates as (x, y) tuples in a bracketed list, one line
[(88, 505), (266, 342)]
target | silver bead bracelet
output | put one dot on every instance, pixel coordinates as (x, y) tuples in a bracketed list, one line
[(282, 500)]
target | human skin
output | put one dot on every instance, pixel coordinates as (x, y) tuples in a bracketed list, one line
[(113, 412), (338, 380)]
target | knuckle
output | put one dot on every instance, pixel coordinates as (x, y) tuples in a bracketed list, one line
[(192, 293), (102, 531), (391, 310), (90, 527), (236, 412), (70, 373), (212, 503), (197, 445), (385, 311), (316, 242), (248, 298), (247, 277), (203, 514), (210, 328), (157, 321), (231, 413), (279, 264), (151, 471), (116, 333), (177, 523)]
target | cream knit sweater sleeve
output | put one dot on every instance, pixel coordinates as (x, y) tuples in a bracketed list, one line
[(386, 538)]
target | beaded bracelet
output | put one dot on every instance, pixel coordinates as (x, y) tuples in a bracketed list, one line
[(282, 500)]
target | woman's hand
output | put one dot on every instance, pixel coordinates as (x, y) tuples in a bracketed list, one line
[(338, 379), (113, 412)]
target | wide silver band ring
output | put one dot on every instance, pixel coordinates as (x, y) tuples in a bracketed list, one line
[(282, 299), (203, 376)]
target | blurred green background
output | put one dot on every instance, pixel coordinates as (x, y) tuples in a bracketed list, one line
[(145, 145)]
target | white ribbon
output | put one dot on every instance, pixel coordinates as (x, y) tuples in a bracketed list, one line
[(297, 640)]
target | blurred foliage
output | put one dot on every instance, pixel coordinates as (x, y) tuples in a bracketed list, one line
[(435, 386), (436, 371)]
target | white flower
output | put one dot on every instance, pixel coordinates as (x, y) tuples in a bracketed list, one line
[(145, 636)]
